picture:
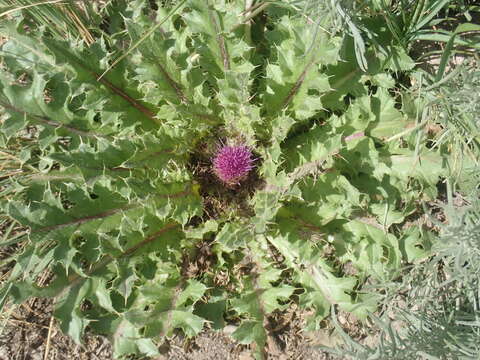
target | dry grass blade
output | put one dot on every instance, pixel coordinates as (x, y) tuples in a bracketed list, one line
[(82, 29), (49, 336), (251, 12), (64, 17), (11, 11)]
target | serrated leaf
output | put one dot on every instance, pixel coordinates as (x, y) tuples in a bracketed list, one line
[(199, 232), (87, 65), (191, 324), (72, 321), (428, 168), (249, 332), (330, 196), (308, 152), (369, 248), (192, 292), (147, 347), (64, 254), (213, 312), (271, 297), (124, 338), (314, 273), (266, 205), (125, 280), (389, 121), (294, 80), (233, 236), (218, 49), (414, 244), (102, 294)]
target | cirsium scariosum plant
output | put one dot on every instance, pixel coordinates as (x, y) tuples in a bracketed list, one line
[(116, 216)]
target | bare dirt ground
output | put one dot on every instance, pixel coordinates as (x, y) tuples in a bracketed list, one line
[(28, 332)]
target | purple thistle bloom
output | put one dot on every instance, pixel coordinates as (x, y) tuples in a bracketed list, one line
[(232, 163)]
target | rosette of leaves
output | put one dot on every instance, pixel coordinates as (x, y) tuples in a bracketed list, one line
[(114, 207)]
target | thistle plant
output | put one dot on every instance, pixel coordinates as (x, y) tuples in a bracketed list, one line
[(116, 215)]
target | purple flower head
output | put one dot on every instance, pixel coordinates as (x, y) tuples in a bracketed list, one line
[(232, 163)]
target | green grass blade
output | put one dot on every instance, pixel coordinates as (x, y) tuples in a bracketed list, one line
[(430, 13), (447, 52)]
